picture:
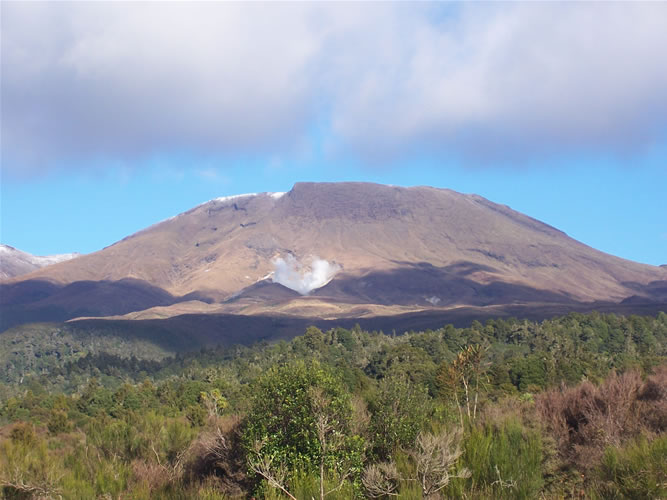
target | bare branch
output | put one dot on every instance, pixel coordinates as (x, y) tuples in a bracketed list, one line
[(381, 480), (262, 464), (435, 456)]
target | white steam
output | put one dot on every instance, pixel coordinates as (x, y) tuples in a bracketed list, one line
[(434, 300), (291, 273)]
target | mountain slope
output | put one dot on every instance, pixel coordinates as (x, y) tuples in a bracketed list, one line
[(360, 247), (14, 262)]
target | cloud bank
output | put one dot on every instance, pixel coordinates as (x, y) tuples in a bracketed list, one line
[(89, 81), (291, 273)]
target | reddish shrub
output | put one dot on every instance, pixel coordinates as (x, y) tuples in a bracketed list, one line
[(653, 401), (155, 476), (586, 419)]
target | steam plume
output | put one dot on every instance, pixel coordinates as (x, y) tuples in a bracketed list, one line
[(291, 273)]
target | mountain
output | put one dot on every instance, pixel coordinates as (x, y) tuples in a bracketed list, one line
[(334, 250), (14, 262)]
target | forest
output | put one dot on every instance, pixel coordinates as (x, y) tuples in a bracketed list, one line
[(570, 407)]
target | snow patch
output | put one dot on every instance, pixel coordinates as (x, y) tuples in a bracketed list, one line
[(223, 199), (54, 259), (36, 260), (294, 275)]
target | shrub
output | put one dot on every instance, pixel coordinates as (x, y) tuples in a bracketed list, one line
[(586, 419), (283, 412), (398, 413), (300, 421), (635, 471), (26, 469), (505, 461), (196, 415), (422, 471), (217, 452), (23, 433), (58, 422)]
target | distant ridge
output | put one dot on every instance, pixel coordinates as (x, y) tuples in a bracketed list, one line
[(14, 262)]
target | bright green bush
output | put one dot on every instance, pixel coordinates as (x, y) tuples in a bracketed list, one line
[(282, 425)]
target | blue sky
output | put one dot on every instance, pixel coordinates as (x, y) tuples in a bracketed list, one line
[(115, 116)]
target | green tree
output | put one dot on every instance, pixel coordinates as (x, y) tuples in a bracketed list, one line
[(529, 373), (399, 411), (299, 420)]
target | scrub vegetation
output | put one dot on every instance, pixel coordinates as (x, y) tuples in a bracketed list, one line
[(572, 407)]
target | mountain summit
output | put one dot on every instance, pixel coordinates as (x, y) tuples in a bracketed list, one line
[(337, 250)]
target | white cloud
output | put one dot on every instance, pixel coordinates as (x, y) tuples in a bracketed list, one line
[(84, 81), (294, 275), (513, 79)]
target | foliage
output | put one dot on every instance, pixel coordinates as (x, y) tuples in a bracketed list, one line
[(399, 411), (300, 420), (462, 379), (282, 416), (552, 409), (633, 471), (505, 460), (26, 469)]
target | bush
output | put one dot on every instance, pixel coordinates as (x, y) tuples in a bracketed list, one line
[(217, 452), (586, 419), (26, 469), (23, 433), (282, 417), (58, 422), (505, 461), (635, 471), (399, 412)]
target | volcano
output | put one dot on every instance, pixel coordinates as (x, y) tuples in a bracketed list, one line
[(334, 251)]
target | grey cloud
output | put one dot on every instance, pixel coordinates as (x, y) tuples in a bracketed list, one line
[(90, 81)]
